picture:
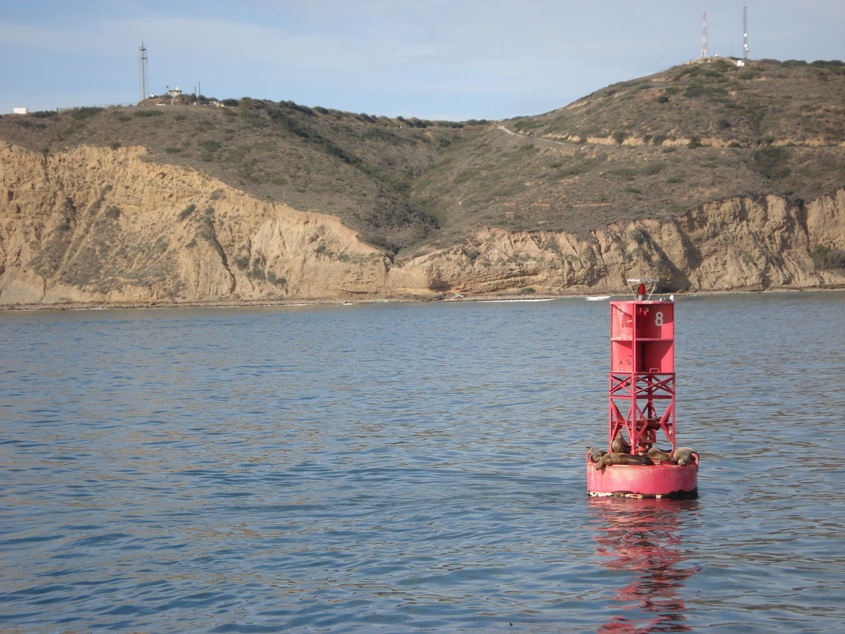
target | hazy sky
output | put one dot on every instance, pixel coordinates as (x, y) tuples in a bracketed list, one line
[(448, 59)]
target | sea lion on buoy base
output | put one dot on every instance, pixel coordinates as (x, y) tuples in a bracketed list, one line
[(619, 444), (622, 458), (683, 455), (658, 454), (595, 453)]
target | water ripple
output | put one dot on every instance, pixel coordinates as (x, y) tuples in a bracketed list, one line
[(406, 468)]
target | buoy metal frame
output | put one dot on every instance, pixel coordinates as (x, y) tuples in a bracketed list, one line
[(642, 399)]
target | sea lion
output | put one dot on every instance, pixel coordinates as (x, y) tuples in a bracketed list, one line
[(619, 444), (595, 453), (683, 455), (622, 458), (658, 454)]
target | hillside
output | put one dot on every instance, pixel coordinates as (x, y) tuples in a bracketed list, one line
[(650, 148), (354, 166), (710, 176)]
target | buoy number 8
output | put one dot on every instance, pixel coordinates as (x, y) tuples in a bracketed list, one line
[(658, 318)]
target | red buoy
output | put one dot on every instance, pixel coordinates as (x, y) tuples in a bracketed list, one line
[(642, 405)]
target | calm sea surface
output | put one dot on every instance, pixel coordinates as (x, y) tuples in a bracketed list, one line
[(413, 467)]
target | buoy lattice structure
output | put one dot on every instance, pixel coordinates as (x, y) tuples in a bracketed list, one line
[(641, 401)]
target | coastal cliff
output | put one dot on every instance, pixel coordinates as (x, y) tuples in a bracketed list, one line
[(739, 244), (101, 226), (96, 225)]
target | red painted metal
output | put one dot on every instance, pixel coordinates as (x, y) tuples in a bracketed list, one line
[(641, 399), (642, 372), (658, 480)]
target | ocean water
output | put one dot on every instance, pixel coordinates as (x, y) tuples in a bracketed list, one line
[(412, 467)]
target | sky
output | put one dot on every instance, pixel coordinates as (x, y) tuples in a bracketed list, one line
[(432, 59)]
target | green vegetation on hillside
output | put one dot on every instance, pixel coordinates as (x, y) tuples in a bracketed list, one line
[(792, 102), (650, 148)]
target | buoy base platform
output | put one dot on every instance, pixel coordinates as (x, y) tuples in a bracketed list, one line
[(660, 480)]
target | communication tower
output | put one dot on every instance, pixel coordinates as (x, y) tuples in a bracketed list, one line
[(142, 63), (745, 33), (704, 35)]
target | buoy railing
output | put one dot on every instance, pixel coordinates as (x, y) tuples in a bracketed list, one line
[(637, 395)]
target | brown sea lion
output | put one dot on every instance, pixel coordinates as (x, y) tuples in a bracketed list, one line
[(595, 453), (658, 454), (619, 444), (683, 455), (622, 458)]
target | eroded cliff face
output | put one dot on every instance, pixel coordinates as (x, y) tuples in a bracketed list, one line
[(732, 245), (102, 226)]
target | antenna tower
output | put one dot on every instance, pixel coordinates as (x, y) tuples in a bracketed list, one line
[(704, 35), (745, 33), (142, 63)]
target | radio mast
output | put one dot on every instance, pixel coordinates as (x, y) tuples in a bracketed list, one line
[(704, 35), (745, 33), (142, 63)]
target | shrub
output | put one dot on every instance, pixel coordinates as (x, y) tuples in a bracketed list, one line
[(695, 90), (691, 70), (833, 64), (770, 162), (827, 258), (278, 281), (241, 261), (251, 104), (652, 168), (147, 112), (84, 113), (187, 211)]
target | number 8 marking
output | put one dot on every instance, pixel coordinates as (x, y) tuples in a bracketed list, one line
[(658, 318)]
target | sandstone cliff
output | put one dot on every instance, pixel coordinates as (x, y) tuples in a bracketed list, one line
[(102, 226), (738, 244)]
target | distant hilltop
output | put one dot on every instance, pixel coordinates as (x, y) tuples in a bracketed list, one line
[(710, 176)]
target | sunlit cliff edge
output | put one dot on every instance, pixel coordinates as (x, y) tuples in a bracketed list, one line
[(101, 226)]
